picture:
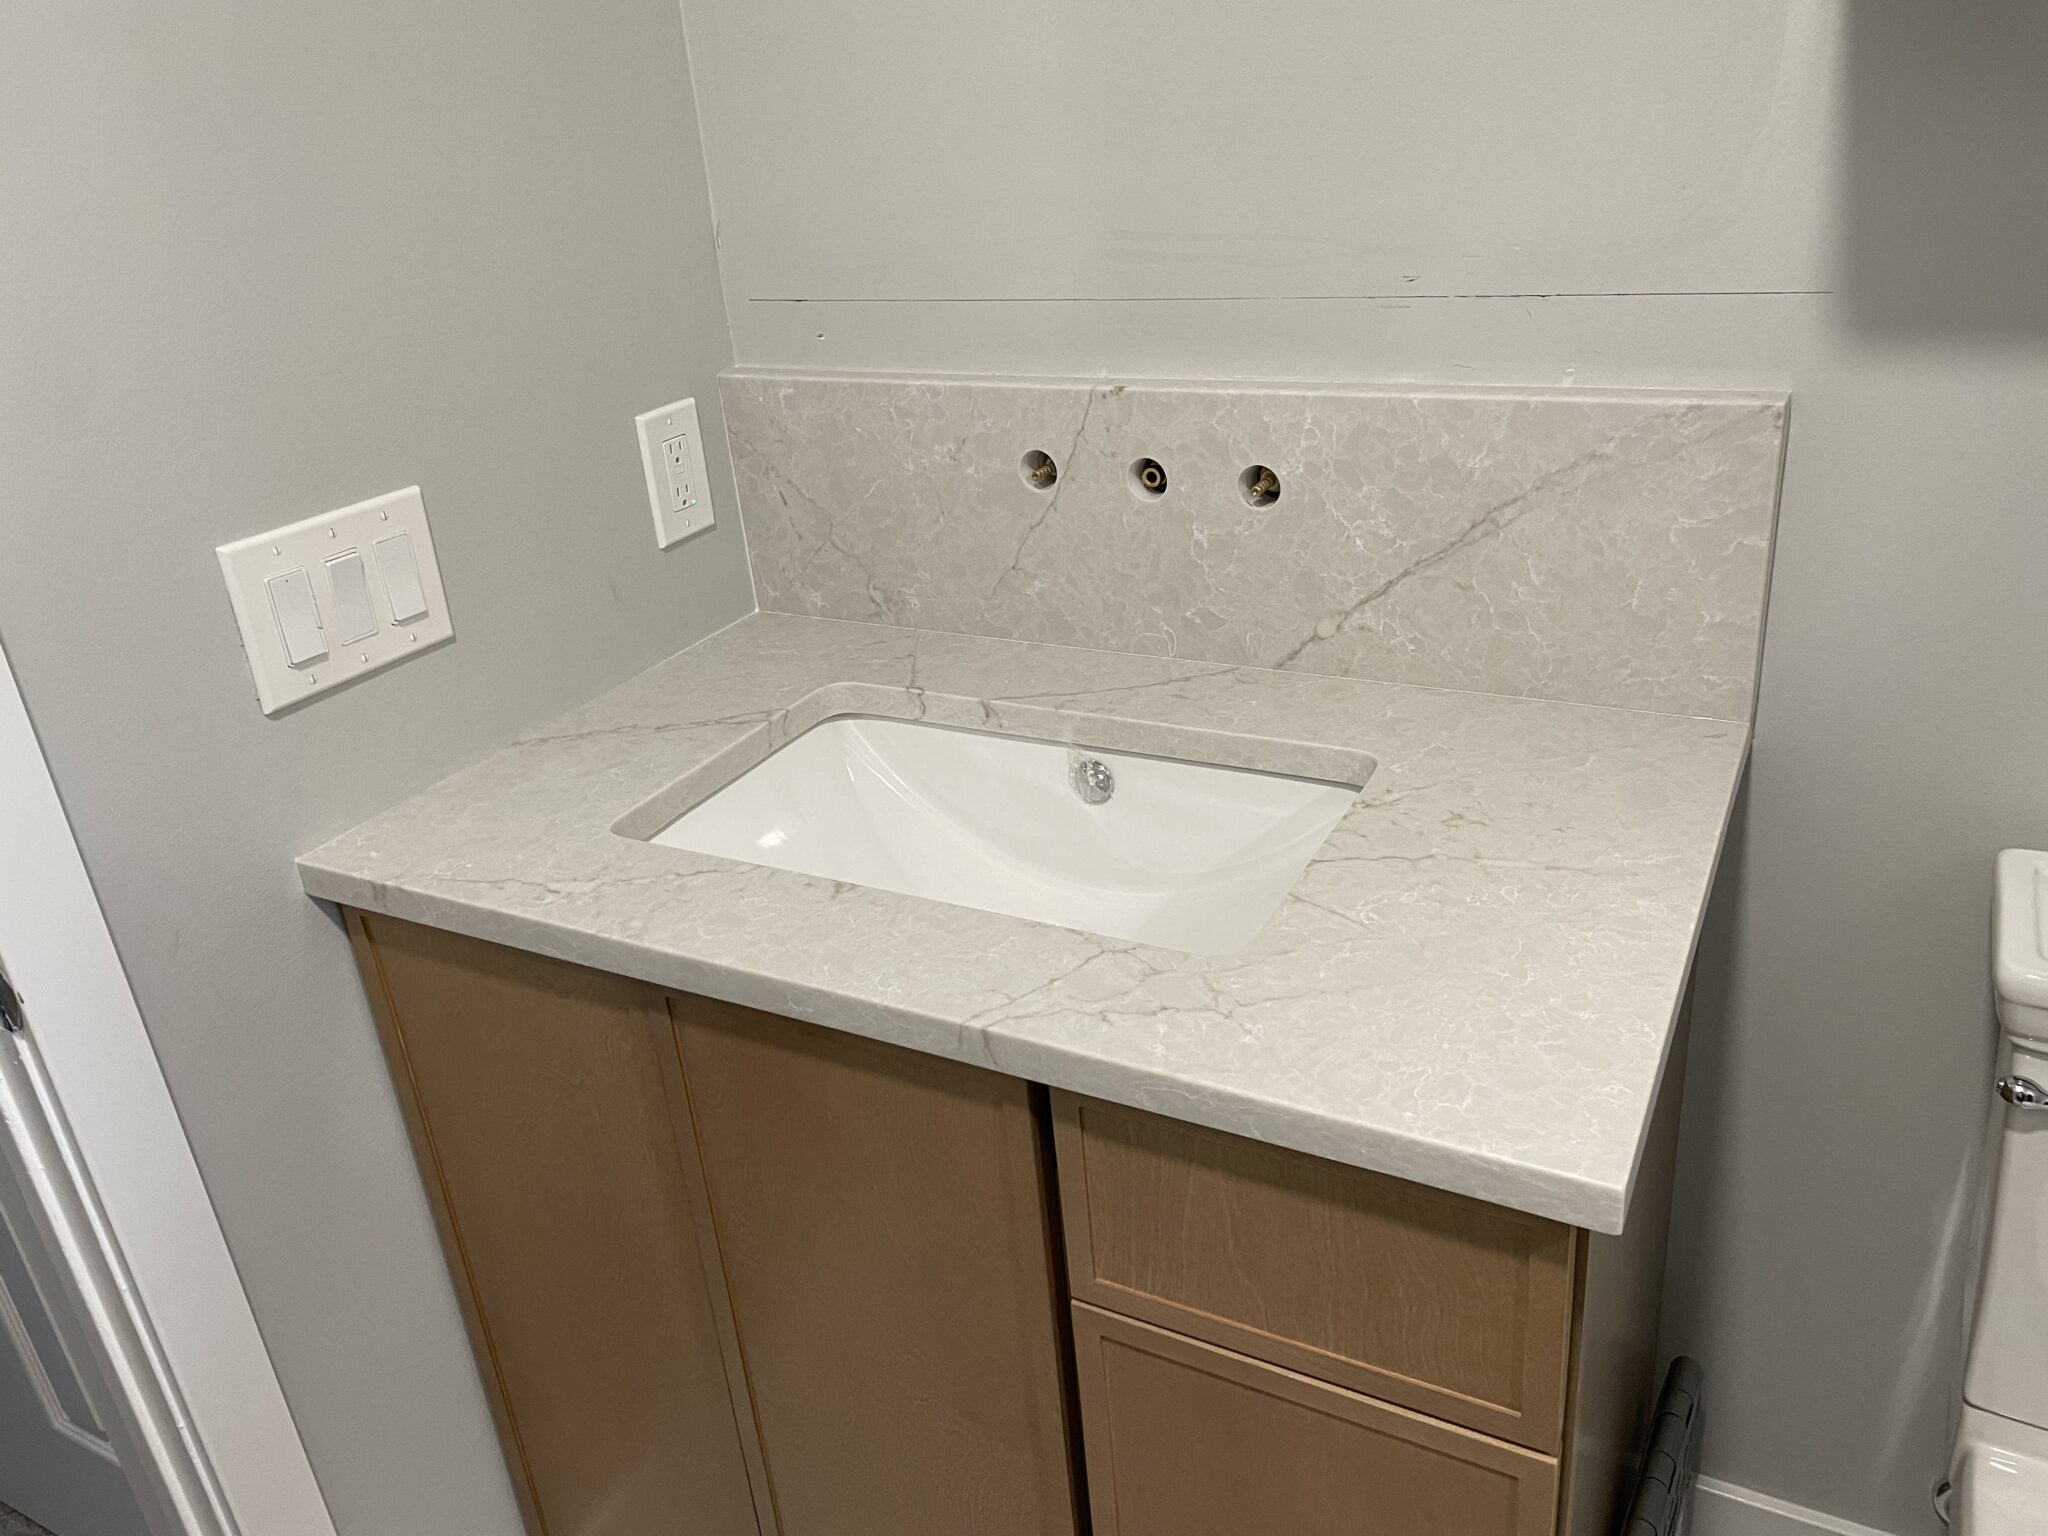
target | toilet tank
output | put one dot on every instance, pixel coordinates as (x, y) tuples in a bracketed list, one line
[(2008, 1366), (2008, 1370)]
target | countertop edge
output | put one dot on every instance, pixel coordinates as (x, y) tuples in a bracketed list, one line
[(1552, 1194)]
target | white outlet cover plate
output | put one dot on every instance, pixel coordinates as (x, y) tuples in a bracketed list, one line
[(676, 491), (398, 523)]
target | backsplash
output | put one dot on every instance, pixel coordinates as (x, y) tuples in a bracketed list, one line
[(1608, 548)]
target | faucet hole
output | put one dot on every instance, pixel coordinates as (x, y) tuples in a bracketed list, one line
[(1148, 479), (1259, 486), (1038, 470)]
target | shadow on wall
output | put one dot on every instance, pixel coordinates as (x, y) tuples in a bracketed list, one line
[(1945, 217)]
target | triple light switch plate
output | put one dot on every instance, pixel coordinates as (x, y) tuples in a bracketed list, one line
[(325, 601)]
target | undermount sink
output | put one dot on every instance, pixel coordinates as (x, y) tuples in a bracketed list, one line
[(1187, 855)]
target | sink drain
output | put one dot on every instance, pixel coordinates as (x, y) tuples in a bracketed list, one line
[(1091, 779)]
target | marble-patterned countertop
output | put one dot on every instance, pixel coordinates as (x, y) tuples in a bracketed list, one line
[(1474, 984)]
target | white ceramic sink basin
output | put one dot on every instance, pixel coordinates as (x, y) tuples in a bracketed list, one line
[(1186, 855)]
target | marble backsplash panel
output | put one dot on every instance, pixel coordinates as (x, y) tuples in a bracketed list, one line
[(1609, 548)]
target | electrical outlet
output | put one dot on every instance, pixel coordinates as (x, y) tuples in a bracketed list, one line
[(672, 453)]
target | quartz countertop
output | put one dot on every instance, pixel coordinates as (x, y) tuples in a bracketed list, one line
[(1474, 984)]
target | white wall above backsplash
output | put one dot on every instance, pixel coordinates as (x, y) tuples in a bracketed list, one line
[(1600, 548), (1159, 149)]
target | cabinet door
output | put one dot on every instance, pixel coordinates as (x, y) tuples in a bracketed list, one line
[(882, 1219), (534, 1091), (1185, 1439)]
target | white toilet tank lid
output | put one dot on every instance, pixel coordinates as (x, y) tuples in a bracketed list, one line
[(2019, 940)]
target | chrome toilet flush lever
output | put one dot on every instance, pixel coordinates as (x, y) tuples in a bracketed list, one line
[(1091, 779), (2022, 1093)]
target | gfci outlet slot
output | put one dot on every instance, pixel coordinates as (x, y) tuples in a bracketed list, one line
[(672, 453)]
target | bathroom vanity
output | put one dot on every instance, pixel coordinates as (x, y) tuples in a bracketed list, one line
[(727, 1272), (816, 1163)]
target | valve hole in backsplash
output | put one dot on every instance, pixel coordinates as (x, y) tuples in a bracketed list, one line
[(1148, 479), (1039, 470), (1259, 486)]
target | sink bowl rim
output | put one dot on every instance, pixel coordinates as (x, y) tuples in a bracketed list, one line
[(1198, 746)]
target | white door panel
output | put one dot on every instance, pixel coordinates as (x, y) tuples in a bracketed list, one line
[(120, 1258), (25, 1322), (56, 1463)]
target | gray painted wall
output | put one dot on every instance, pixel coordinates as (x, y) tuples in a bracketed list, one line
[(258, 261), (1839, 197)]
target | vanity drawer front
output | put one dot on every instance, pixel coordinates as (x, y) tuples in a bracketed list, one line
[(1456, 1308), (1184, 1439)]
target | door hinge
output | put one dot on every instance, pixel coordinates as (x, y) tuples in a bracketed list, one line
[(12, 1019)]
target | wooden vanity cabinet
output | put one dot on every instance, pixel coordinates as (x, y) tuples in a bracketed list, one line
[(725, 1273), (728, 1273), (536, 1098), (1259, 1329)]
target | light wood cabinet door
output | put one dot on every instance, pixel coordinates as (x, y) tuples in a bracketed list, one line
[(534, 1093), (1185, 1439), (883, 1222), (1456, 1308)]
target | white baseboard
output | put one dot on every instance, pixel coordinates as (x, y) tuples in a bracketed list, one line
[(1724, 1509)]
